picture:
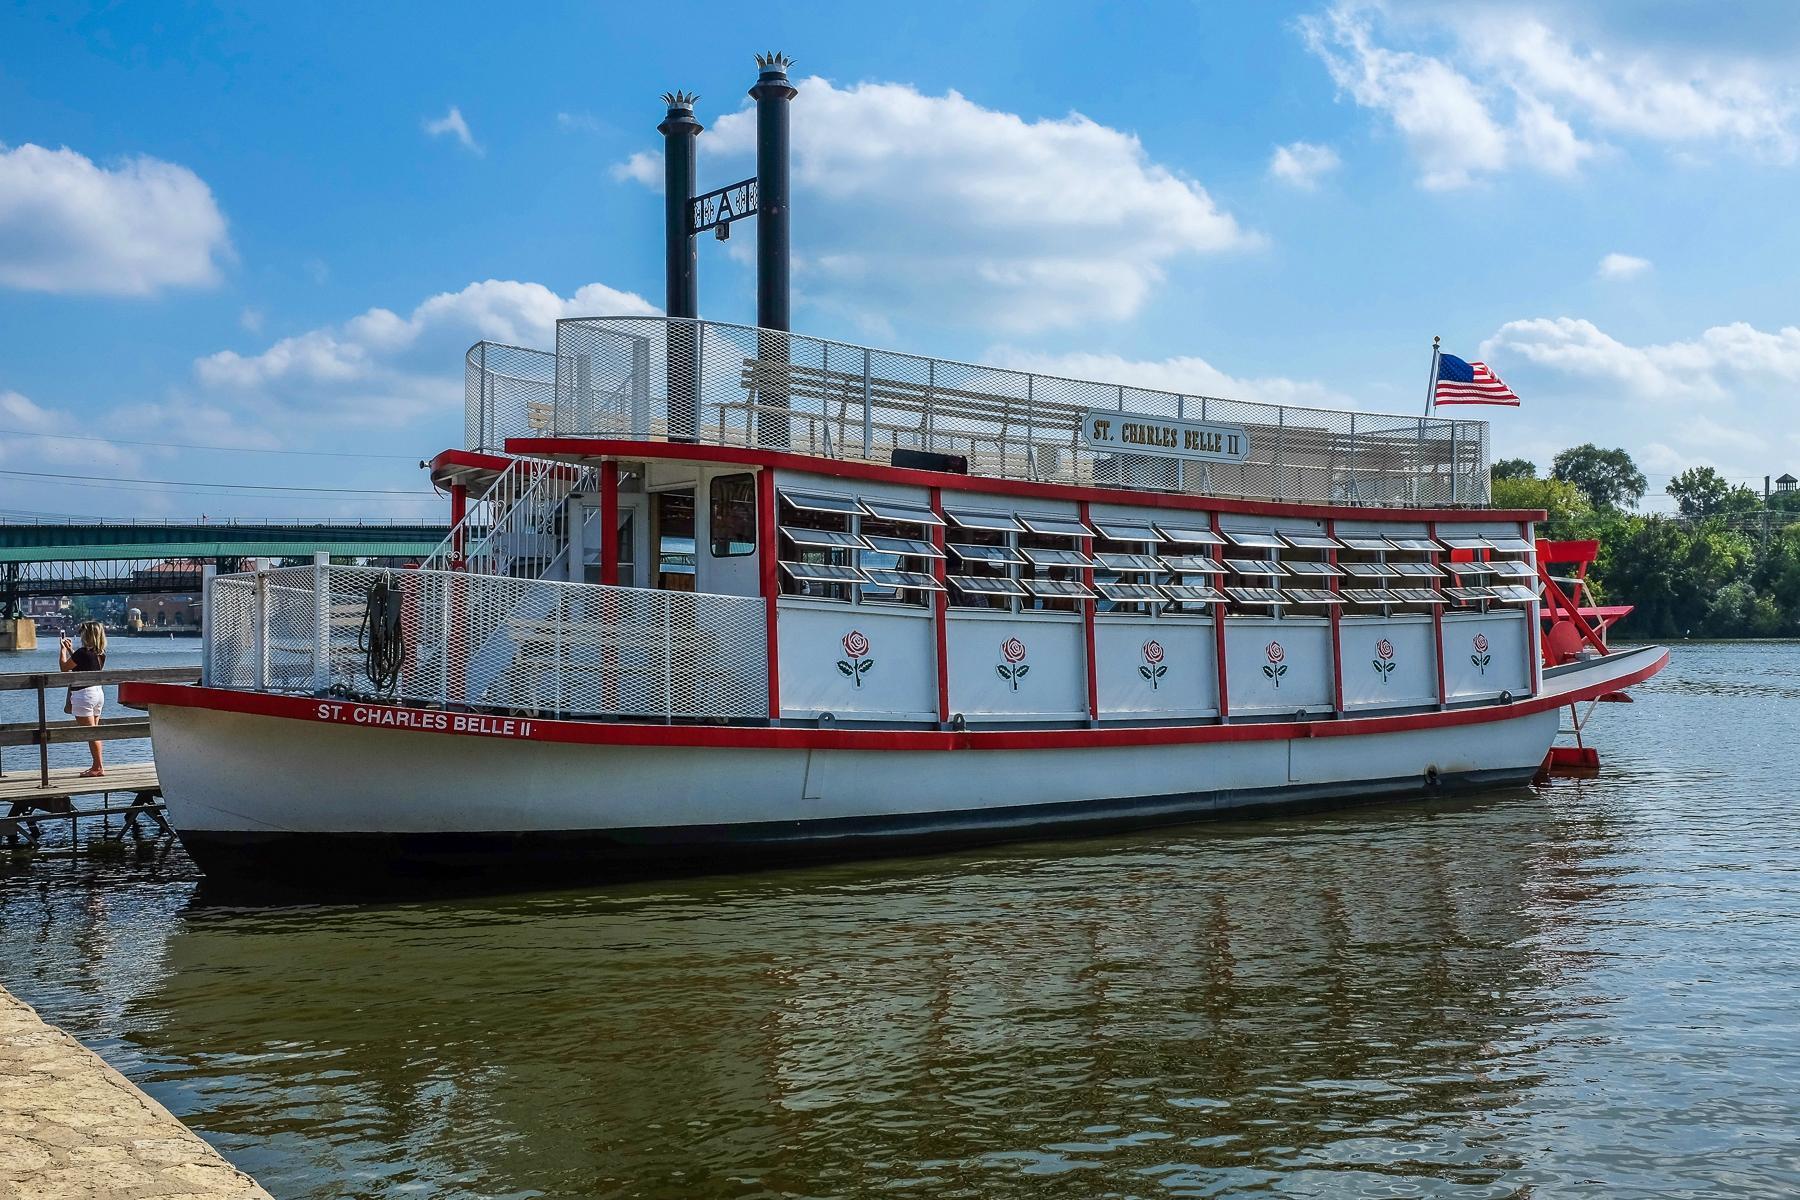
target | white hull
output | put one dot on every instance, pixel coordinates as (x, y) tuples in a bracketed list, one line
[(265, 787)]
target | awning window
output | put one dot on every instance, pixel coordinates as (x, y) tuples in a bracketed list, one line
[(1067, 527), (1246, 595), (1254, 540), (1193, 593), (1193, 564), (1415, 595), (995, 555), (822, 572), (832, 539), (1371, 570), (1310, 541), (1367, 544), (918, 580), (1130, 564), (1130, 593), (1255, 566), (1126, 531), (1056, 558), (991, 521), (816, 502), (987, 585), (1511, 545), (1512, 593), (1467, 543), (899, 510), (1416, 570), (1318, 570), (1057, 588), (1415, 545), (1193, 535), (916, 547), (1313, 596)]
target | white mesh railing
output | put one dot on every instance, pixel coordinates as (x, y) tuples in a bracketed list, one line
[(489, 642), (658, 377)]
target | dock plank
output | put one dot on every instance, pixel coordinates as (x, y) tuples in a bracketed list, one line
[(66, 783)]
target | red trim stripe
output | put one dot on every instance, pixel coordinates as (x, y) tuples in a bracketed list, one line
[(607, 733)]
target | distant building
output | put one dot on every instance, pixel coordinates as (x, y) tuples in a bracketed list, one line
[(149, 608), (1786, 483)]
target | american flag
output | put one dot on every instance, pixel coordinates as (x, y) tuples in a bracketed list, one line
[(1460, 382)]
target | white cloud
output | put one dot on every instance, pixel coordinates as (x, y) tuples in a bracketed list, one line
[(69, 225), (1717, 365), (579, 122), (938, 207), (453, 125), (1448, 120), (642, 167), (1302, 164), (1188, 375), (1623, 266), (38, 438), (382, 368), (1505, 90)]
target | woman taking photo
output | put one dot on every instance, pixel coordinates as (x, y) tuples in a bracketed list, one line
[(85, 702)]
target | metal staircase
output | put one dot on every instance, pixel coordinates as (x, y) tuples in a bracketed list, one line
[(519, 527)]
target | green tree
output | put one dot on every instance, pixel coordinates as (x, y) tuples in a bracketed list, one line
[(1513, 468), (1739, 610), (1609, 477), (1569, 515), (1698, 491)]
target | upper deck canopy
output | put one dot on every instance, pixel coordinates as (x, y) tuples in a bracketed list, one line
[(663, 378)]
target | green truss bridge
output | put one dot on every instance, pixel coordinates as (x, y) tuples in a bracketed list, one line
[(71, 558)]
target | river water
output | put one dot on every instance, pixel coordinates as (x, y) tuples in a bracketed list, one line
[(1588, 989)]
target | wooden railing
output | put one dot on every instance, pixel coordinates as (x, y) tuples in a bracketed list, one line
[(44, 731)]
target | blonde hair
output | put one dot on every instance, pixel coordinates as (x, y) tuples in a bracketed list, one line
[(93, 636)]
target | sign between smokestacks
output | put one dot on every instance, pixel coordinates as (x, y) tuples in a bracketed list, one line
[(1138, 434)]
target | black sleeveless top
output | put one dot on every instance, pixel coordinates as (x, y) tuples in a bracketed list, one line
[(86, 660)]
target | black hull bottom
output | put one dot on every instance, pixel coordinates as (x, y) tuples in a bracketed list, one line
[(283, 866)]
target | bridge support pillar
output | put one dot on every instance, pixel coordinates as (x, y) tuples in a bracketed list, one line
[(18, 633)]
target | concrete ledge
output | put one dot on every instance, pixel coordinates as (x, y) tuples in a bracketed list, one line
[(71, 1126)]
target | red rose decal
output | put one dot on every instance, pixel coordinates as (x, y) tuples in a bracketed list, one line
[(1481, 642), (1481, 658), (1273, 668), (858, 664), (1013, 650), (1384, 660), (1153, 670)]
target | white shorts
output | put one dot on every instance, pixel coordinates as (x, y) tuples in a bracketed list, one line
[(86, 702)]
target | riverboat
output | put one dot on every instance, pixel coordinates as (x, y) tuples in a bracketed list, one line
[(720, 594)]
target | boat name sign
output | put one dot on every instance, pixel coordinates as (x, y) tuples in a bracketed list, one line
[(1139, 434)]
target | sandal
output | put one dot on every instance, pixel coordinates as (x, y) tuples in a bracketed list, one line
[(91, 773)]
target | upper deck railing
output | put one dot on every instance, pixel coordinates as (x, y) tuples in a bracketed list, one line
[(736, 385)]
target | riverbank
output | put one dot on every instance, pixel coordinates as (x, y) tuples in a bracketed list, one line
[(73, 1126)]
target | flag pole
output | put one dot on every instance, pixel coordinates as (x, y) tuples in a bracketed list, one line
[(1431, 384)]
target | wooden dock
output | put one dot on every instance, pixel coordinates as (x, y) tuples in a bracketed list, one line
[(48, 793), (72, 1126)]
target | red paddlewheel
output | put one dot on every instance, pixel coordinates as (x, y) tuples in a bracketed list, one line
[(1615, 698), (1570, 762), (1564, 642)]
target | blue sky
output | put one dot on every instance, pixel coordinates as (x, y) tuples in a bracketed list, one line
[(275, 229)]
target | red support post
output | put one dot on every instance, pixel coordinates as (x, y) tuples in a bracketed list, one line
[(1437, 621), (1337, 638), (1088, 607), (459, 509), (768, 549), (1219, 633), (941, 611), (609, 522)]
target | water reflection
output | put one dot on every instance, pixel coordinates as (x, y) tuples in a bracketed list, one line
[(1210, 1010)]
